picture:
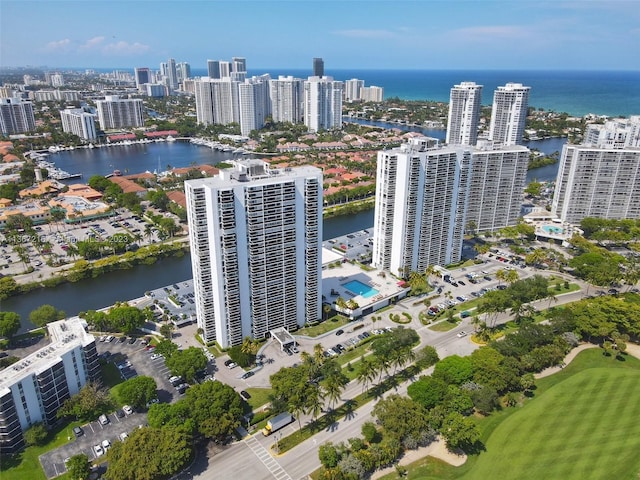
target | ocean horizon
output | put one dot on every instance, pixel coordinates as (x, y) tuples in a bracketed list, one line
[(576, 92)]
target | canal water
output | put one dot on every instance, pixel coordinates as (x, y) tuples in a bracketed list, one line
[(92, 294)]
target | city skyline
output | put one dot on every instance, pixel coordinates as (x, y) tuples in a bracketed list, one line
[(520, 35)]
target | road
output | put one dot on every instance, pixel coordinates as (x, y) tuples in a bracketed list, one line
[(251, 457)]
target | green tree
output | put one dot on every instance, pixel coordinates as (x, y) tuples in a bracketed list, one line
[(8, 287), (138, 391), (328, 455), (150, 454), (454, 369), (9, 324), (215, 408), (36, 435), (125, 318), (428, 391), (78, 467), (459, 432), (401, 417), (45, 314), (485, 399), (87, 404), (186, 363), (370, 432)]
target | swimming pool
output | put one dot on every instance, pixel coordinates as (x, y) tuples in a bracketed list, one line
[(359, 288), (553, 230)]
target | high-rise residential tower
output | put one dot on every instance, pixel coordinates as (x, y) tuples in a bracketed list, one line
[(352, 89), (16, 116), (213, 68), (322, 104), (172, 74), (497, 181), (142, 76), (184, 71), (464, 114), (509, 114), (421, 197), (601, 177), (287, 99), (116, 112), (372, 94), (318, 67), (256, 240), (239, 64), (217, 101), (225, 69), (253, 102), (79, 122)]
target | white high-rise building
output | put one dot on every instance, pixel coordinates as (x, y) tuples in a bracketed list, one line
[(287, 99), (322, 104), (116, 112), (498, 178), (421, 197), (601, 178), (79, 122), (254, 105), (372, 94), (509, 114), (33, 389), (16, 116), (239, 64), (352, 89), (217, 101), (256, 241), (184, 71), (464, 114), (225, 69), (57, 80), (172, 74)]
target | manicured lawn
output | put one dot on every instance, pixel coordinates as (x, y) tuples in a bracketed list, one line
[(259, 396), (581, 423), (324, 327), (443, 326)]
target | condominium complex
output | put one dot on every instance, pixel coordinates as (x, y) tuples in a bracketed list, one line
[(509, 114), (255, 235), (143, 76), (372, 94), (287, 99), (322, 103), (464, 114), (421, 197), (213, 68), (114, 112), (79, 122), (35, 388), (601, 177), (16, 116), (352, 89), (254, 103), (172, 74), (498, 178), (52, 95)]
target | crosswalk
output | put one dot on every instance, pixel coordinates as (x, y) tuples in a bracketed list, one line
[(272, 465)]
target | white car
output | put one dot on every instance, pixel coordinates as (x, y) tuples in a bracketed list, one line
[(98, 451), (123, 436), (461, 334), (155, 355), (106, 445), (127, 409)]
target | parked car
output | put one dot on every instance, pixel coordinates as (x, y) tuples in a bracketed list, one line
[(123, 436), (231, 365), (119, 414), (339, 332), (103, 419), (78, 432), (98, 450), (127, 409), (106, 444), (245, 394)]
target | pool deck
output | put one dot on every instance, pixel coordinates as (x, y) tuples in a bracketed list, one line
[(333, 280)]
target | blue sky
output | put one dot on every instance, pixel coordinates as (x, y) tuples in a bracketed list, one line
[(418, 34)]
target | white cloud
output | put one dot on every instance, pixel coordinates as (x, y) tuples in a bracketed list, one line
[(363, 33), (125, 48), (500, 31), (91, 43), (58, 45)]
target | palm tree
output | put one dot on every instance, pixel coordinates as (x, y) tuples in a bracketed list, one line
[(318, 353), (382, 365), (333, 387), (326, 309), (247, 346), (315, 401)]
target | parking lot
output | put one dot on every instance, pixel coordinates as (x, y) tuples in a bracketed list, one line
[(354, 246), (94, 433)]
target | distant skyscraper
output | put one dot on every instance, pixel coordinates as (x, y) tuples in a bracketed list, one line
[(16, 116), (420, 206), (172, 74), (184, 71), (239, 64), (213, 68), (352, 89), (57, 80), (225, 69), (287, 99), (601, 177), (318, 67), (164, 70), (509, 114), (79, 122), (217, 101), (464, 114), (322, 104), (256, 241), (372, 94), (143, 75), (114, 112)]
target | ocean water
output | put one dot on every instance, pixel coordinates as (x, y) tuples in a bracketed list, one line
[(612, 93)]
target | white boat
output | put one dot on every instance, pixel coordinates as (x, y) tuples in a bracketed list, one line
[(170, 139)]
